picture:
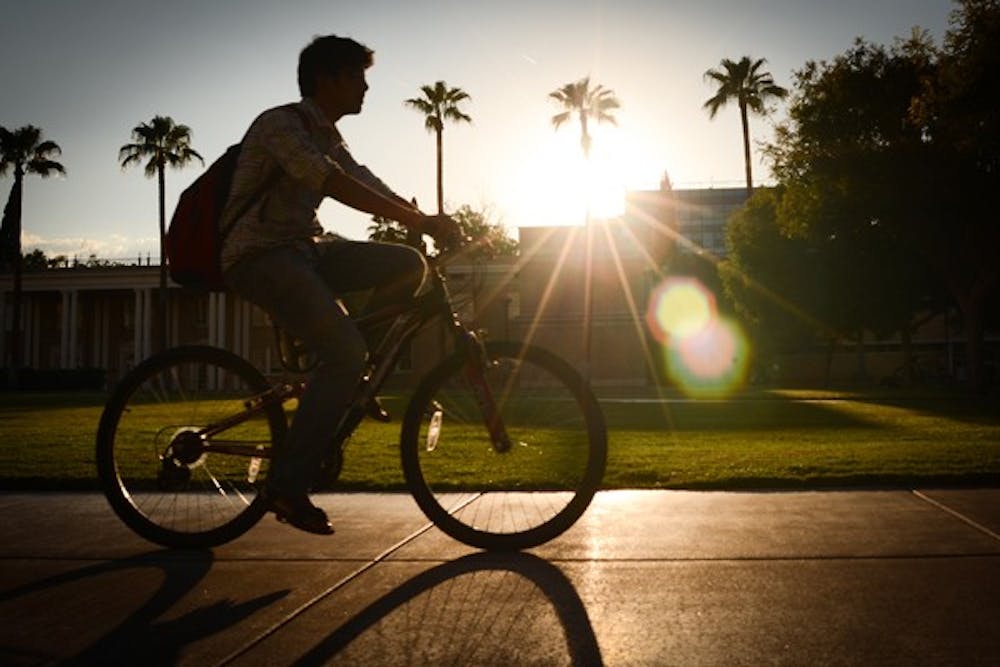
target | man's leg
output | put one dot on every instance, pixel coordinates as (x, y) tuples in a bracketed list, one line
[(395, 272), (286, 284)]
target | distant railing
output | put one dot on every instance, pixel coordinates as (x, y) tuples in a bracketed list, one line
[(61, 262)]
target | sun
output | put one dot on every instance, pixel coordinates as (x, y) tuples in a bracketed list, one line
[(558, 187)]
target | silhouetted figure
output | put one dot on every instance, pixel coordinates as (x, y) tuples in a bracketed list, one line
[(277, 256)]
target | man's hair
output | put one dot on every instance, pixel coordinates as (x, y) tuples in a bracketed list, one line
[(330, 55)]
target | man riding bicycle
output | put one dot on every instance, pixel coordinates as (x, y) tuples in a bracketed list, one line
[(277, 256)]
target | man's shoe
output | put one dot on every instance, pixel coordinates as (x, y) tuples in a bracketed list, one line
[(299, 512), (375, 411)]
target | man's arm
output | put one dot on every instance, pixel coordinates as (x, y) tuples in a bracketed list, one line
[(352, 192)]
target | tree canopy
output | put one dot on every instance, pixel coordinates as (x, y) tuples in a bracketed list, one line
[(892, 155)]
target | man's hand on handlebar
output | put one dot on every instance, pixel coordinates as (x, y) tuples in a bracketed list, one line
[(442, 228)]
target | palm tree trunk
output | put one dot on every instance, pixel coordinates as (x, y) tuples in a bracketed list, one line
[(13, 371), (746, 147), (161, 343), (588, 300), (440, 171)]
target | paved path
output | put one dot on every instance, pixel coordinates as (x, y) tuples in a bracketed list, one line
[(645, 578)]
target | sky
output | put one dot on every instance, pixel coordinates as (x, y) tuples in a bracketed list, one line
[(87, 72)]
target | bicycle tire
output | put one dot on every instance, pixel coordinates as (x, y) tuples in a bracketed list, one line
[(165, 489), (527, 495)]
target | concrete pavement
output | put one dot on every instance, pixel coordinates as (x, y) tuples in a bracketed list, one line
[(645, 578)]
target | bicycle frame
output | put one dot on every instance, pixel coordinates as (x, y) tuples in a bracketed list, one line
[(406, 320)]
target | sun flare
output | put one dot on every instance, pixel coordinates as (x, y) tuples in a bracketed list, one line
[(557, 186)]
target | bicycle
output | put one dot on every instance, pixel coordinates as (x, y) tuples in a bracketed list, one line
[(503, 445)]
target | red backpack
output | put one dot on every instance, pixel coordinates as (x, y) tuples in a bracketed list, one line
[(194, 238)]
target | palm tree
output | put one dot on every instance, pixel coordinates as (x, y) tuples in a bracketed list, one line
[(25, 151), (164, 143), (587, 104), (751, 88), (438, 104)]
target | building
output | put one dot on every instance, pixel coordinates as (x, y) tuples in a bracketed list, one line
[(698, 215), (590, 311), (107, 317)]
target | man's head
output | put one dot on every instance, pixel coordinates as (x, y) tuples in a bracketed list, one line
[(334, 67)]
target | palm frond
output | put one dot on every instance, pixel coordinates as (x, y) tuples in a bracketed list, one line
[(163, 141), (45, 168), (560, 118), (25, 149), (439, 103)]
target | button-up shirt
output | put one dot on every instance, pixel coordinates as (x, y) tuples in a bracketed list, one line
[(285, 160)]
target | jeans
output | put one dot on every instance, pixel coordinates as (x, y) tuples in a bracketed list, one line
[(297, 285)]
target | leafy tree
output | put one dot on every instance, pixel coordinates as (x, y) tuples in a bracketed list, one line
[(882, 149), (789, 287), (24, 151), (440, 103), (164, 143), (482, 237), (587, 104), (750, 88), (35, 260), (772, 279), (385, 230)]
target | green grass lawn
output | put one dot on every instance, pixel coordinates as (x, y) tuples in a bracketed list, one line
[(763, 440)]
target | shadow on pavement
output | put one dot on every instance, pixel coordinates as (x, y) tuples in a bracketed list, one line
[(140, 638), (480, 609)]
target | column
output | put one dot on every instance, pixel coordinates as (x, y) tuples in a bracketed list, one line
[(212, 318), (221, 314), (105, 336), (29, 332), (74, 313), (237, 326), (96, 306), (64, 316), (143, 325), (137, 328), (147, 323), (175, 316), (247, 311), (33, 335)]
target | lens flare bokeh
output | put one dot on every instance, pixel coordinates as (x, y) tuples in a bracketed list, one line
[(678, 308), (705, 355)]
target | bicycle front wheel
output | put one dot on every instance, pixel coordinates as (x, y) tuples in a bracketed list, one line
[(498, 498), (162, 475)]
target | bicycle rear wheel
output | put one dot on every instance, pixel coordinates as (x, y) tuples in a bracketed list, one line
[(521, 497), (165, 481)]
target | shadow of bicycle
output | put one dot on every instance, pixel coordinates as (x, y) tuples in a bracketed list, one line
[(47, 612), (482, 609)]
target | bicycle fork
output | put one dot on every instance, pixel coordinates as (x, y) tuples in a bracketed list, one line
[(475, 374)]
